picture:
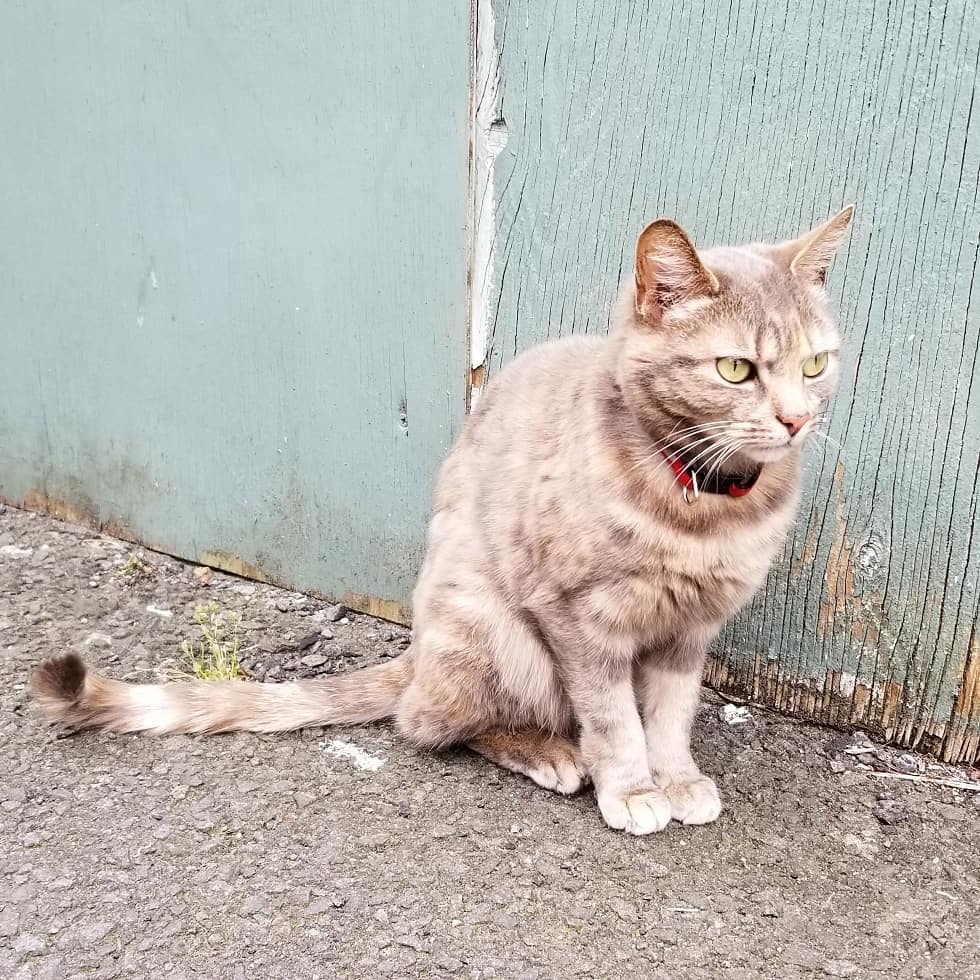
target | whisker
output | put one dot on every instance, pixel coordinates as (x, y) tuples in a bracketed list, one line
[(709, 453), (663, 461), (729, 437), (736, 446), (826, 438), (725, 452), (707, 434), (678, 438)]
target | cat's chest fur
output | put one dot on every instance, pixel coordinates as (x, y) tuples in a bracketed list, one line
[(668, 579)]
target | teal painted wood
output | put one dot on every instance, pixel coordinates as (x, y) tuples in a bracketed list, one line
[(752, 120), (233, 276)]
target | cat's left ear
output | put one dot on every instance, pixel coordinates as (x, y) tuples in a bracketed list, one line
[(809, 256)]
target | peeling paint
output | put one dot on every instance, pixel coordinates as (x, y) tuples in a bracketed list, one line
[(488, 136), (852, 577), (838, 577), (801, 564)]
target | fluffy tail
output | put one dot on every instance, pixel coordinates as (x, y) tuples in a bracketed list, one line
[(71, 694)]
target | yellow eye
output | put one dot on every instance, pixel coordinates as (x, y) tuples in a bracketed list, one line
[(814, 366), (735, 369)]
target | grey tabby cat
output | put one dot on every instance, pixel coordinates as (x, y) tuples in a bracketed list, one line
[(609, 505)]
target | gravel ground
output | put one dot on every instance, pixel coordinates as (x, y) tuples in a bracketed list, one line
[(344, 853)]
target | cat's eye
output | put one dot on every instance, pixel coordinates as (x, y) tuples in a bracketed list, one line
[(735, 369), (814, 366)]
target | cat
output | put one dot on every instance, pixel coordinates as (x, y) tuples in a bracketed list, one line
[(610, 503)]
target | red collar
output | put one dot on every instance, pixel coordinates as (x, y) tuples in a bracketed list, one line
[(699, 481)]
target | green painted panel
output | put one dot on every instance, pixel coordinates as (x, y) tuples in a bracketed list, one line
[(233, 275), (752, 120)]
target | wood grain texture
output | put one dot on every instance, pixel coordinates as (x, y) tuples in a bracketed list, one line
[(749, 121), (233, 277)]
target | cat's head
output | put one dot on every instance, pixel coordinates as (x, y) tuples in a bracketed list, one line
[(730, 355)]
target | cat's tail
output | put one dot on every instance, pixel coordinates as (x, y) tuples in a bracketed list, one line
[(71, 694)]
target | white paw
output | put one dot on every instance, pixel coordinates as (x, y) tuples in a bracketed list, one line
[(693, 801), (565, 776), (638, 813)]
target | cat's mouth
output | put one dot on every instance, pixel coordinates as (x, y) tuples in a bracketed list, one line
[(769, 453), (772, 452)]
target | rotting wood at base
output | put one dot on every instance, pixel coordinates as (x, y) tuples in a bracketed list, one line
[(962, 737), (954, 740), (389, 609), (225, 561), (39, 502), (86, 515)]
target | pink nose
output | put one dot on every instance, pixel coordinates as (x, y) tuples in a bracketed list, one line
[(794, 423)]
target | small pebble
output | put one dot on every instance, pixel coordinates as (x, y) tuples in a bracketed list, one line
[(12, 551), (307, 641), (907, 763), (839, 968), (734, 714)]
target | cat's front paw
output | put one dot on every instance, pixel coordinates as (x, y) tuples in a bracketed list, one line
[(692, 800), (636, 813)]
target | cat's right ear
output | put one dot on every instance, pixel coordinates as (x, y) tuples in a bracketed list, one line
[(668, 271), (809, 256)]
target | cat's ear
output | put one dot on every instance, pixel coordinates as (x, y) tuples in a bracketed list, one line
[(810, 255), (668, 270)]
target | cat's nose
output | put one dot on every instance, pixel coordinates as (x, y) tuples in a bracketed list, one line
[(794, 423)]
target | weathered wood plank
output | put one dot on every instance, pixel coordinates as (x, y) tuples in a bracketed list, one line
[(233, 277), (747, 121)]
